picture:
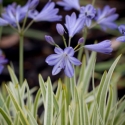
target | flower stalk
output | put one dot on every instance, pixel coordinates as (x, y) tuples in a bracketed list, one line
[(21, 59)]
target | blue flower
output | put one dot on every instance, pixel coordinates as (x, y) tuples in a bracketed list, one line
[(48, 13), (88, 12), (30, 5), (102, 47), (2, 62), (13, 14), (74, 24), (106, 17), (69, 4), (63, 59), (122, 31)]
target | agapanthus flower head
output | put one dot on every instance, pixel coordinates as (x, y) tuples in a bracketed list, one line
[(2, 62), (49, 39), (102, 47), (13, 14), (106, 17), (69, 4), (60, 29), (74, 24), (63, 59), (121, 29), (48, 13), (88, 13)]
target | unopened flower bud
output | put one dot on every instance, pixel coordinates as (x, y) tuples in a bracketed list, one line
[(60, 29), (81, 40), (50, 40)]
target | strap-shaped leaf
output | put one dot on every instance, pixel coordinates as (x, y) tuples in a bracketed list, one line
[(42, 86), (48, 117), (105, 87), (36, 103), (88, 72), (18, 108), (5, 116), (13, 76), (31, 119)]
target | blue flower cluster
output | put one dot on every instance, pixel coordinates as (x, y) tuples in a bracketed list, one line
[(105, 18), (64, 58), (13, 14)]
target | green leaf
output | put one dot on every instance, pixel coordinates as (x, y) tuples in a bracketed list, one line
[(48, 117), (82, 70), (18, 108), (104, 91), (109, 105), (17, 121), (76, 114), (64, 110), (13, 76), (32, 119), (42, 87), (86, 114), (6, 117), (56, 106), (121, 120), (88, 71), (36, 103), (101, 86)]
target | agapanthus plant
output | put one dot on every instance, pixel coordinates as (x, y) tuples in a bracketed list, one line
[(71, 103)]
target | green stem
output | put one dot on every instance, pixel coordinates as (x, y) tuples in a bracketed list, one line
[(93, 2), (28, 26), (25, 19), (64, 40), (87, 55), (69, 41), (79, 48), (21, 59), (76, 47)]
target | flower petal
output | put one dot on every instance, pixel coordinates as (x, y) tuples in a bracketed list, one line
[(74, 61), (53, 59), (69, 51), (102, 47), (57, 68), (121, 39), (121, 29), (3, 22), (69, 71), (58, 50)]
